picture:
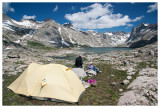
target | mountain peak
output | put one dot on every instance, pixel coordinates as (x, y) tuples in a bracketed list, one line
[(48, 19), (69, 25), (5, 17), (143, 25), (30, 20)]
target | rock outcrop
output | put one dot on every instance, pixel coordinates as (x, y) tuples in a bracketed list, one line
[(143, 90), (143, 35)]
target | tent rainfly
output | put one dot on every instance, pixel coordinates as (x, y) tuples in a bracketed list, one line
[(52, 81)]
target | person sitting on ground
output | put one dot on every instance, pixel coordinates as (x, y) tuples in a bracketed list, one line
[(90, 66), (79, 62)]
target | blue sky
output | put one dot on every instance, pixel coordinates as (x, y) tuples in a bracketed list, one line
[(106, 16)]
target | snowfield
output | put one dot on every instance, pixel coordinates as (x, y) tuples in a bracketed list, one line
[(26, 23)]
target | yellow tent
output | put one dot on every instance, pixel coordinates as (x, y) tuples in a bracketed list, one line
[(54, 81)]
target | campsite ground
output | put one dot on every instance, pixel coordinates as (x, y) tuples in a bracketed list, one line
[(103, 94), (108, 90)]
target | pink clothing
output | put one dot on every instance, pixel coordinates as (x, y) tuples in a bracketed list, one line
[(90, 81)]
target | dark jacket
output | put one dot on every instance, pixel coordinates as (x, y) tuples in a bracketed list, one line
[(78, 62)]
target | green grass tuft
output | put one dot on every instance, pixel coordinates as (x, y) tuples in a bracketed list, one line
[(142, 65), (38, 45)]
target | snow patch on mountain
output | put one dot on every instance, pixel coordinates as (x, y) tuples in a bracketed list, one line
[(93, 33), (7, 22), (26, 23), (147, 30), (64, 43), (7, 25), (31, 32), (59, 29), (108, 33), (70, 35), (117, 38), (18, 41), (146, 24), (53, 42)]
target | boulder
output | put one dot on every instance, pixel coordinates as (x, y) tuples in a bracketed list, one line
[(126, 63), (113, 84), (79, 72), (49, 60), (121, 90), (127, 99), (130, 71), (149, 72), (13, 54), (140, 51), (151, 53), (112, 75), (143, 90), (135, 54), (129, 77), (125, 82)]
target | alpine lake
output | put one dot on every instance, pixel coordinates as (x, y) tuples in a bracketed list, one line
[(92, 50)]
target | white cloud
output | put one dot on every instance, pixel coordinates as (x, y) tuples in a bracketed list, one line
[(7, 7), (152, 8), (25, 17), (137, 19), (55, 9), (98, 16), (130, 25)]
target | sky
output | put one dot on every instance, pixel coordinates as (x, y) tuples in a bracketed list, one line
[(100, 17)]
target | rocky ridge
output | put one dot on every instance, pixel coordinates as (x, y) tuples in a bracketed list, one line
[(51, 33), (142, 35)]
